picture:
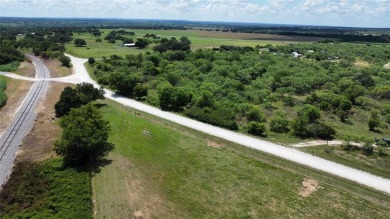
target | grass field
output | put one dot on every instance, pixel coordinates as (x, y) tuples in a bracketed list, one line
[(199, 39), (162, 171)]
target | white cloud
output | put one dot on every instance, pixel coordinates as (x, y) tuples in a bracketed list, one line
[(330, 12)]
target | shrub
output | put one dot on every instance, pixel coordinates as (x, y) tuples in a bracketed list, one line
[(279, 124), (257, 129), (220, 117), (256, 115), (367, 149)]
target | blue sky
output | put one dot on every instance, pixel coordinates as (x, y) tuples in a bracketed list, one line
[(363, 13)]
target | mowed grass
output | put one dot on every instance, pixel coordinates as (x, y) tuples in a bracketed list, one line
[(199, 39), (378, 165), (159, 171), (99, 49)]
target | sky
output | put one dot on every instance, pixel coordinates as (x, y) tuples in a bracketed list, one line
[(353, 13)]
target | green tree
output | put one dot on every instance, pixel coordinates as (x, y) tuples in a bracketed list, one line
[(91, 60), (141, 43), (69, 99), (84, 136), (140, 91), (83, 93), (256, 115), (65, 60), (374, 121), (79, 42), (279, 124), (258, 129)]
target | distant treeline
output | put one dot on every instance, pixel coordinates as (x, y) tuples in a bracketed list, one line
[(345, 34)]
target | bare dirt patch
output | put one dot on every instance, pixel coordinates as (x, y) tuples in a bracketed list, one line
[(387, 66), (38, 144), (16, 91), (308, 187), (26, 69), (362, 64), (56, 69), (214, 144)]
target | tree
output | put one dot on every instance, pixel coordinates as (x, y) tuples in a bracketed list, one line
[(256, 115), (140, 91), (374, 121), (65, 60), (279, 124), (84, 93), (84, 136), (79, 42), (91, 60), (69, 99), (141, 43), (258, 129)]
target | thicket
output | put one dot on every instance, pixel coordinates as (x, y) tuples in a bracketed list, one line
[(3, 96), (269, 78), (46, 190)]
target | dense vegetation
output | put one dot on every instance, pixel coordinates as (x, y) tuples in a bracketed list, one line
[(46, 190), (221, 86), (3, 96)]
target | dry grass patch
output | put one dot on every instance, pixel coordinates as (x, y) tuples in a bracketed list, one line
[(26, 69), (308, 187), (56, 69), (362, 63), (38, 144), (16, 91)]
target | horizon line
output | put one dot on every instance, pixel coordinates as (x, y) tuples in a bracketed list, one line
[(195, 21)]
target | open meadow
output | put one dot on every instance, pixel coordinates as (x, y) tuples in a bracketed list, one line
[(159, 169), (200, 39)]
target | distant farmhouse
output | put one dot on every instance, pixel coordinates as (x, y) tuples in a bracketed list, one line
[(296, 55), (129, 44)]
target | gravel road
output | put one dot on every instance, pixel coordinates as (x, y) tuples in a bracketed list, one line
[(23, 121), (291, 154)]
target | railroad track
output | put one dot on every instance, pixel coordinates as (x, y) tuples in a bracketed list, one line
[(12, 137)]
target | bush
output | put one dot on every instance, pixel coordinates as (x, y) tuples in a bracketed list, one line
[(3, 85), (220, 117), (257, 129), (3, 98), (256, 115), (319, 130), (65, 60), (279, 124), (367, 149), (91, 61)]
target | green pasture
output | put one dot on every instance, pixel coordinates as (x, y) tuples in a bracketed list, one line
[(162, 170)]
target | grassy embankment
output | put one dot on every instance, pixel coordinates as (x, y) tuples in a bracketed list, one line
[(163, 170), (199, 39)]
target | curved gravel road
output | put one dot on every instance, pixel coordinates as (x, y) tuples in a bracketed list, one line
[(22, 122)]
